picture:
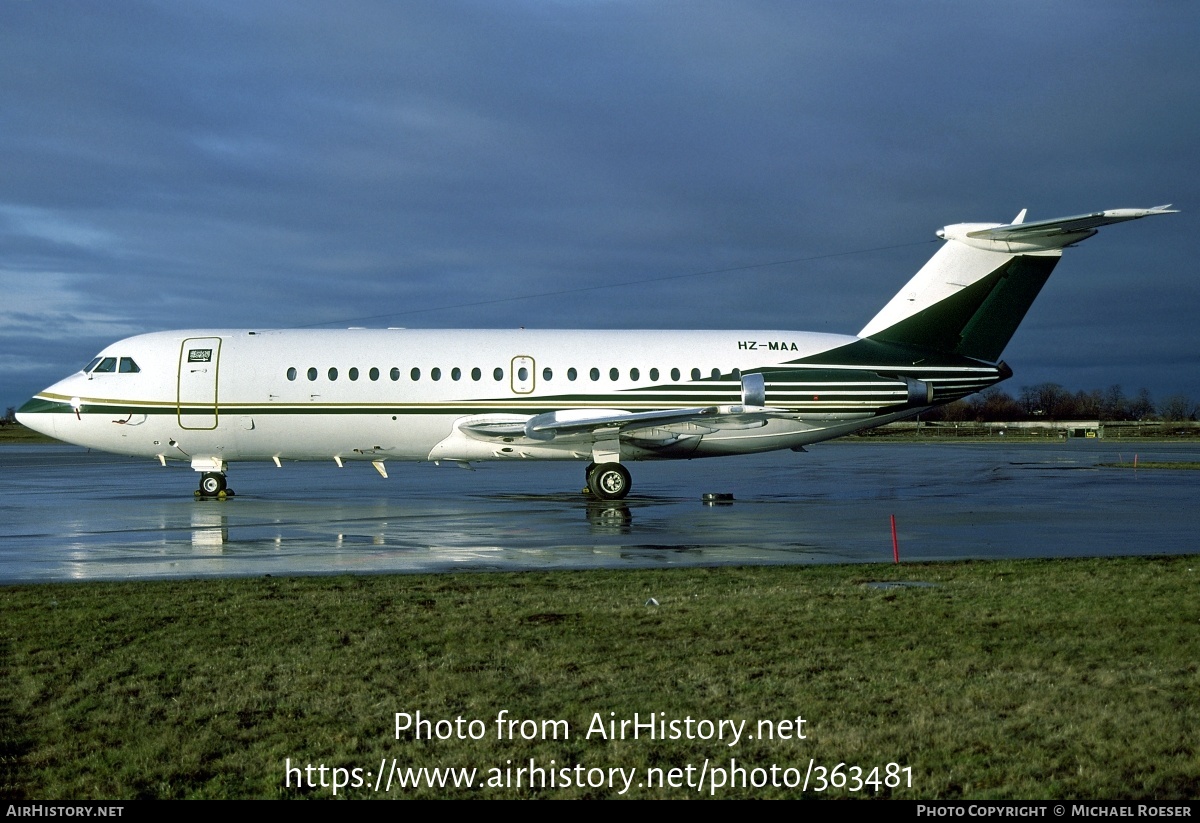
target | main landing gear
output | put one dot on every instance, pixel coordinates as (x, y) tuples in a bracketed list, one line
[(212, 485), (608, 481)]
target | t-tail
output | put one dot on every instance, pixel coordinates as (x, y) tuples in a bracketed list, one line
[(970, 297)]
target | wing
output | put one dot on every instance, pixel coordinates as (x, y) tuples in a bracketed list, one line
[(578, 432), (588, 424), (661, 425)]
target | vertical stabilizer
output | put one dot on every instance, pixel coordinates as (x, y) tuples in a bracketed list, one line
[(971, 296)]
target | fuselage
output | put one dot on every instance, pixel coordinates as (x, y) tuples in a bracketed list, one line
[(399, 394), (212, 397)]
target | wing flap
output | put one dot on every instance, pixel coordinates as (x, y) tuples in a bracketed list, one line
[(488, 426)]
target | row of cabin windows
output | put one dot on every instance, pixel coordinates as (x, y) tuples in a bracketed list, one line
[(109, 365), (456, 373)]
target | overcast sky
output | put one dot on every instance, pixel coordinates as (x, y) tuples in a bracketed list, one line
[(449, 164)]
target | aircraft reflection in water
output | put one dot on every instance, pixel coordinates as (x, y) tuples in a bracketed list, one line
[(210, 532), (215, 397), (984, 501)]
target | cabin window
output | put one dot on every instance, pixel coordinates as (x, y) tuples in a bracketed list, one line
[(415, 374), (498, 374), (373, 373), (435, 373), (654, 374), (291, 373), (716, 374), (353, 374), (614, 375), (571, 373), (522, 374), (312, 373), (737, 374), (675, 375), (128, 366), (594, 373), (456, 373), (476, 374), (695, 374), (107, 366), (635, 375), (547, 374), (332, 374), (394, 374)]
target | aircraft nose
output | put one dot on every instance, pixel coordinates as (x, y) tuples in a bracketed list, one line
[(37, 414)]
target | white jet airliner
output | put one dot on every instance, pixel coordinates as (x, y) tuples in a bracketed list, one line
[(214, 397)]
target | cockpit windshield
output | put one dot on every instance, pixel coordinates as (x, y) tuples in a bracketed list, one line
[(110, 365)]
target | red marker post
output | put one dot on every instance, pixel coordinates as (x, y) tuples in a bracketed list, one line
[(895, 542)]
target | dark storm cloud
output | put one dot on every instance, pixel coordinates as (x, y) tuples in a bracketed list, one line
[(273, 164)]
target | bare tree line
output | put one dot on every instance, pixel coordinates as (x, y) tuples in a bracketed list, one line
[(1050, 401)]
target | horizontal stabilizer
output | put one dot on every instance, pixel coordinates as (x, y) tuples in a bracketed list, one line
[(1019, 231)]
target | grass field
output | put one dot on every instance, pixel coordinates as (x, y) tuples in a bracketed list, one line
[(1023, 679), (16, 433)]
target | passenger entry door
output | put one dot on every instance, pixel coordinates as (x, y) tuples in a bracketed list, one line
[(196, 400)]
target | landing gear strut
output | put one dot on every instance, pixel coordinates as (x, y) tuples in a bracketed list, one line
[(608, 481), (212, 484)]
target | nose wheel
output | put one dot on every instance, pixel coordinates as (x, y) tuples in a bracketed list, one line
[(212, 485), (608, 481)]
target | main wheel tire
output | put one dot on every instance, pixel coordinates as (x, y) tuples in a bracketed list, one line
[(609, 481), (212, 484)]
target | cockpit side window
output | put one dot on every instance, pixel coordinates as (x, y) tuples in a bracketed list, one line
[(128, 366), (108, 365)]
